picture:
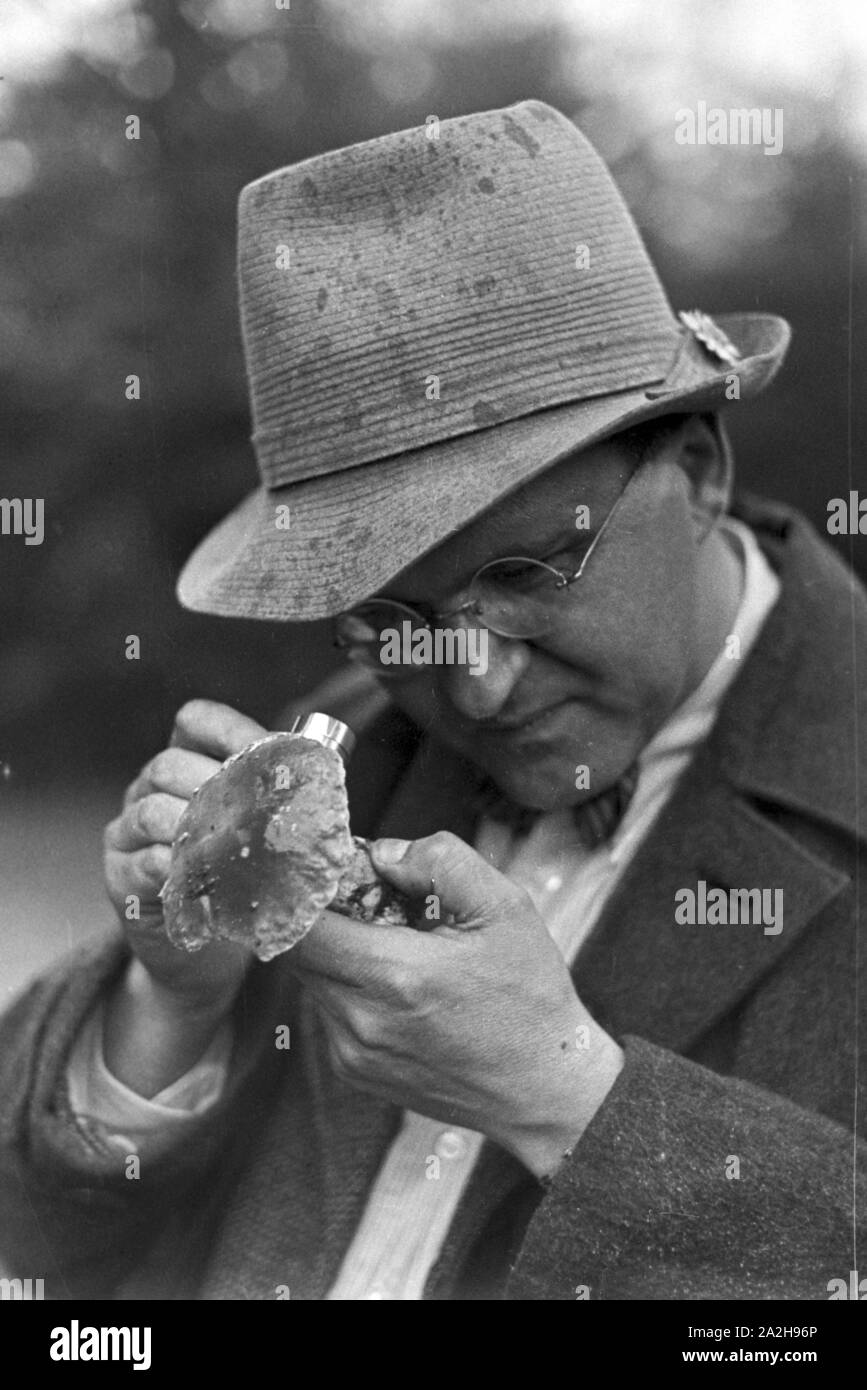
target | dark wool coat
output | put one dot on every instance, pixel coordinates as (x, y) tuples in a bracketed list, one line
[(738, 1045)]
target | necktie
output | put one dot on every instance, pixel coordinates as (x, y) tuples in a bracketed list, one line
[(595, 820)]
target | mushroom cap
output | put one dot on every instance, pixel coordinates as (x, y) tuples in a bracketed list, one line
[(260, 848)]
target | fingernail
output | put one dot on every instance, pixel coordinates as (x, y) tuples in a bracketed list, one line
[(390, 851)]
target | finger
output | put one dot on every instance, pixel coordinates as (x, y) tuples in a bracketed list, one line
[(142, 873), (152, 820), (173, 770), (356, 954), (204, 726), (442, 864)]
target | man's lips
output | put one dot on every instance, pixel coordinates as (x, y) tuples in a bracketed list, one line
[(522, 724)]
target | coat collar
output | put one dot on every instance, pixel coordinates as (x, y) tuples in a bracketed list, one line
[(789, 731)]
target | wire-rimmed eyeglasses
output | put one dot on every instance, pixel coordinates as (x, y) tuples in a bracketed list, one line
[(513, 596)]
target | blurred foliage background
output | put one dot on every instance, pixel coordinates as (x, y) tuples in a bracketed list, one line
[(119, 258)]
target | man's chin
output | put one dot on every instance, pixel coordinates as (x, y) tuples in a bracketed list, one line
[(546, 779), (540, 782)]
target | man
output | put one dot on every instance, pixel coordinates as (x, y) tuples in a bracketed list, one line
[(622, 1064)]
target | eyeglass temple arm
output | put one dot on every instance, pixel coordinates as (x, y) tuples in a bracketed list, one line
[(603, 528), (472, 605)]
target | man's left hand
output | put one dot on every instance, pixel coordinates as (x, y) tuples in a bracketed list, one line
[(476, 1022)]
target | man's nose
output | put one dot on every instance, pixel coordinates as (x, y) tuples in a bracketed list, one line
[(481, 693)]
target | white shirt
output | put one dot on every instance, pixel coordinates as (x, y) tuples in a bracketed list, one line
[(425, 1173)]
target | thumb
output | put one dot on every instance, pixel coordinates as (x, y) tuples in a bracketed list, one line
[(446, 867)]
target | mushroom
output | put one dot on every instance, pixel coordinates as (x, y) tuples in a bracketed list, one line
[(264, 847)]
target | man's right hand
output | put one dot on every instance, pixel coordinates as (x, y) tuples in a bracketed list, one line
[(171, 1001)]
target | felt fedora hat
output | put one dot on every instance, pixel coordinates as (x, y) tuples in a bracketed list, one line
[(430, 320)]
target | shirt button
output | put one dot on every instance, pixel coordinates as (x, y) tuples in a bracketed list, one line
[(553, 883), (450, 1145)]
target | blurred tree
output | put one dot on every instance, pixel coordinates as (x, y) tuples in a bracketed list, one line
[(120, 261)]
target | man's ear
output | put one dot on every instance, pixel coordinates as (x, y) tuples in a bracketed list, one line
[(703, 450)]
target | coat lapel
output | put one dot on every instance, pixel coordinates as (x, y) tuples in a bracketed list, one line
[(642, 972), (313, 1149), (352, 1132)]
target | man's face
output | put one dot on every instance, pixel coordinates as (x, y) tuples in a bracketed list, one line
[(625, 646)]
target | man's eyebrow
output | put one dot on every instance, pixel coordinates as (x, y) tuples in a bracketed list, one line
[(552, 538)]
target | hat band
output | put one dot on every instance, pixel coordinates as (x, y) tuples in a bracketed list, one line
[(422, 408)]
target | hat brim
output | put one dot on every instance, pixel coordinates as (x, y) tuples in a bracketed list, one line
[(350, 532)]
